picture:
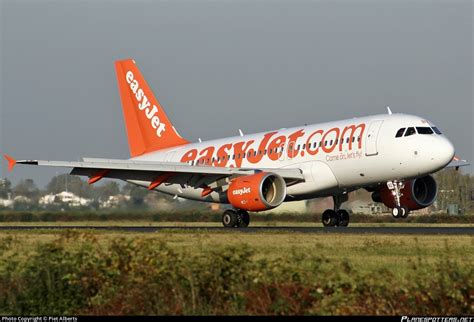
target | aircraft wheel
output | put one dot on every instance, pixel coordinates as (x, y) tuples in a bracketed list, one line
[(405, 212), (230, 219), (397, 212), (244, 218), (329, 218), (343, 217)]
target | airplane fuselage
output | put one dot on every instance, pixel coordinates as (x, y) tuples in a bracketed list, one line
[(335, 157)]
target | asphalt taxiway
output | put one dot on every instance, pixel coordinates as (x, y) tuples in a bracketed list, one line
[(419, 230)]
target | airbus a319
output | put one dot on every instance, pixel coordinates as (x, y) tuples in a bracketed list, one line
[(390, 155)]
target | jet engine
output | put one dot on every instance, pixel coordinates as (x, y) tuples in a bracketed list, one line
[(416, 194), (257, 192)]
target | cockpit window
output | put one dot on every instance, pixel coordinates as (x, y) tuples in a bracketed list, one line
[(410, 131), (400, 132), (424, 130), (436, 130)]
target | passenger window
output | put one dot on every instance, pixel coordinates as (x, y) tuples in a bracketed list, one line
[(424, 130), (233, 156), (330, 143), (400, 132), (410, 131), (347, 140), (436, 130), (353, 139), (238, 156), (315, 144), (304, 146)]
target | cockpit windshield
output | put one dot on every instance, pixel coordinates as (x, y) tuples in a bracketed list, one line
[(424, 130), (417, 130), (436, 130), (410, 131)]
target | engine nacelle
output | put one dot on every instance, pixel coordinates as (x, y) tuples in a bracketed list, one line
[(417, 194), (257, 192)]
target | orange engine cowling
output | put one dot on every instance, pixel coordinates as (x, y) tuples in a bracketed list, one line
[(257, 192), (417, 194)]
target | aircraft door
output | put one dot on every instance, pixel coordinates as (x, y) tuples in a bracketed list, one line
[(371, 138)]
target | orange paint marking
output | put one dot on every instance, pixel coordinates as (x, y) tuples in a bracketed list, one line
[(96, 177), (206, 191), (159, 180)]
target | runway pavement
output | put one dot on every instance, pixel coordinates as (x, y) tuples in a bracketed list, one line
[(309, 230)]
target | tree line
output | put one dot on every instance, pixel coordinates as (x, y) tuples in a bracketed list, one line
[(454, 187)]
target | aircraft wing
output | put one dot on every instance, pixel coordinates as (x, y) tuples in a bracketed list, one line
[(457, 162), (174, 172)]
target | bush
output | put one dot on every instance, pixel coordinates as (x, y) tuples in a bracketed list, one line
[(76, 274)]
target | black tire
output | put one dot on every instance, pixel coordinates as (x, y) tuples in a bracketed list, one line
[(329, 218), (230, 219), (397, 212), (343, 217), (405, 212), (244, 218)]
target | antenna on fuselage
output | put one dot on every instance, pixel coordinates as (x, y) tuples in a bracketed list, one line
[(241, 133), (389, 110)]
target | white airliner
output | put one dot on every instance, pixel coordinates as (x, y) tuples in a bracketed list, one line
[(390, 155)]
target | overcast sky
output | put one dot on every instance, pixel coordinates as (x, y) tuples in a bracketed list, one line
[(217, 66)]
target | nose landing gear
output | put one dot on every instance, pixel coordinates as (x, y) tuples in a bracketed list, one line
[(395, 188), (336, 216)]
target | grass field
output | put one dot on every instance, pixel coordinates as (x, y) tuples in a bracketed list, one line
[(182, 272)]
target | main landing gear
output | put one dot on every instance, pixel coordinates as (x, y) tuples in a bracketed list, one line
[(235, 218), (336, 216), (395, 188)]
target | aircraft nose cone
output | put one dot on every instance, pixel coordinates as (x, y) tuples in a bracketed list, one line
[(445, 152)]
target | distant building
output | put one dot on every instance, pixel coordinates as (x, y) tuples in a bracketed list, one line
[(21, 199), (7, 203), (64, 197), (114, 201), (364, 208)]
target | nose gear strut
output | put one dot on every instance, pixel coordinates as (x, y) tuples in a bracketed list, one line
[(395, 188)]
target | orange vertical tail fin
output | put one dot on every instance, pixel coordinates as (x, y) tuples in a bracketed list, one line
[(148, 127)]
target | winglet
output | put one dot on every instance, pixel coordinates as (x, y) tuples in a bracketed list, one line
[(11, 162)]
